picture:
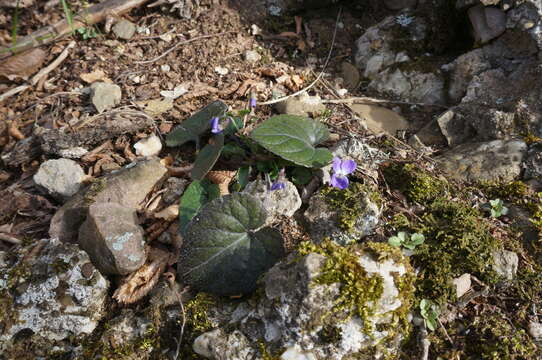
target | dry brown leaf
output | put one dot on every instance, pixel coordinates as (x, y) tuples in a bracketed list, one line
[(22, 65), (96, 75), (222, 178)]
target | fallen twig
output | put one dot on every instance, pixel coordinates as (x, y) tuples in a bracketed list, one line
[(40, 75), (184, 42), (10, 239), (270, 102), (369, 100)]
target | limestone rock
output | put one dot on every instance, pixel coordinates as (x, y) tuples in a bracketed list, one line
[(113, 239), (493, 160), (288, 316), (57, 296), (105, 96), (124, 29), (252, 56), (380, 119), (323, 220), (462, 70), (506, 263), (487, 22), (277, 203), (128, 187), (303, 105), (149, 146), (462, 284), (125, 329), (61, 178)]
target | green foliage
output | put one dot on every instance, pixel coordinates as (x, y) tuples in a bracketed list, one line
[(87, 32), (416, 184), (15, 24), (513, 190), (301, 175), (67, 13), (242, 176), (406, 240), (226, 248), (294, 138), (430, 313), (195, 126), (497, 208), (458, 241), (197, 194), (207, 157)]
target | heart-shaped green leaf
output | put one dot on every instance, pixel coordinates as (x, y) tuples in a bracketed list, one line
[(225, 250), (194, 197), (196, 125), (294, 138), (207, 157)]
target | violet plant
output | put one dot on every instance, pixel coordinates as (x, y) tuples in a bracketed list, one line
[(218, 230)]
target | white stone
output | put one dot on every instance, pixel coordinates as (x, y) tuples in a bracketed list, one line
[(61, 178), (462, 284), (149, 146)]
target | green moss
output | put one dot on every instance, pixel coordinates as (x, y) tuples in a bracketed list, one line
[(416, 184), (349, 204), (513, 190), (60, 266), (265, 353), (493, 337), (458, 241), (359, 290), (196, 312)]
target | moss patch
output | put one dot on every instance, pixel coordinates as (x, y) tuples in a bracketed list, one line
[(416, 184), (348, 203)]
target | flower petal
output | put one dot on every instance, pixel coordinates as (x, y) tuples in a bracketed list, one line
[(337, 165), (277, 185), (215, 125), (252, 102), (348, 167), (340, 182)]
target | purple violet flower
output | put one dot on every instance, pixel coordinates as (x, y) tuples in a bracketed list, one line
[(252, 103), (277, 185), (215, 125), (342, 168)]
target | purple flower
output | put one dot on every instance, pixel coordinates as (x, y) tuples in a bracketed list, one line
[(341, 168), (252, 103), (277, 185), (215, 125)]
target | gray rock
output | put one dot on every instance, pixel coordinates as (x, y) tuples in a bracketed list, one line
[(57, 296), (219, 345), (494, 160), (374, 49), (112, 239), (487, 22), (350, 75), (535, 330), (462, 284), (410, 85), (533, 164), (462, 70), (303, 105), (323, 220), (105, 96), (62, 178), (124, 29), (399, 4), (174, 189), (125, 330), (73, 153), (128, 187), (379, 119), (506, 263), (252, 56), (277, 202), (288, 316)]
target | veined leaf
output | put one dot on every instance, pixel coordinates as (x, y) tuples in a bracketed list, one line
[(194, 197), (196, 125), (225, 250), (294, 138)]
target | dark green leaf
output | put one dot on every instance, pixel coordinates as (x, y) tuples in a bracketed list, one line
[(294, 138), (196, 125), (243, 175), (232, 149), (194, 197), (234, 125), (207, 157), (224, 250)]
